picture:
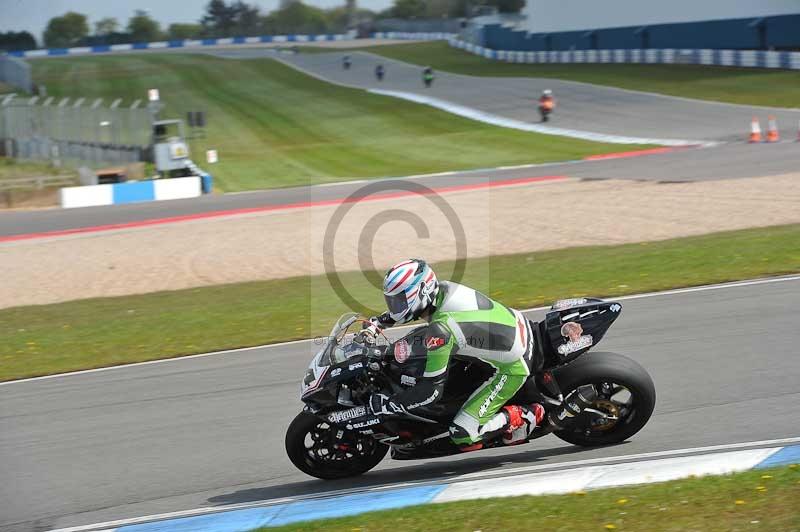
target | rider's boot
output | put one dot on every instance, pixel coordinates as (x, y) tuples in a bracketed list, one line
[(474, 447), (521, 422)]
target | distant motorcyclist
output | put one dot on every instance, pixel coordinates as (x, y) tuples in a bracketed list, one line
[(346, 62), (463, 322), (379, 72), (427, 76), (547, 104)]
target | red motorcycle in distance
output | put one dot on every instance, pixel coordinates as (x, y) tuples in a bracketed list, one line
[(546, 106)]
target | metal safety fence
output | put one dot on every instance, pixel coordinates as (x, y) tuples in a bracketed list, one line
[(79, 131)]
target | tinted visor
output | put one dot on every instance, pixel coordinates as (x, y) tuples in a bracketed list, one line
[(397, 304)]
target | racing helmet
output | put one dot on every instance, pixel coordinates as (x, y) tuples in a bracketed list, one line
[(547, 92), (409, 288)]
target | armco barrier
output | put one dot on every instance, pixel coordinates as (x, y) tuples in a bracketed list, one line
[(134, 191), (404, 35), (189, 43), (667, 56)]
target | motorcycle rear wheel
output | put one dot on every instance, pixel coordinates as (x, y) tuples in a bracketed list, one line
[(314, 449), (625, 390)]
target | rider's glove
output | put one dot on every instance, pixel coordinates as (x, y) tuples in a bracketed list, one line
[(370, 332), (381, 405)]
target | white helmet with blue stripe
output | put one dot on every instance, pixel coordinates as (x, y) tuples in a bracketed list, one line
[(409, 288)]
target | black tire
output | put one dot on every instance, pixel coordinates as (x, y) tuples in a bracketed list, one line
[(596, 368), (303, 425)]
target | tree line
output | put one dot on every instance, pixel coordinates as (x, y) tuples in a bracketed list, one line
[(237, 18)]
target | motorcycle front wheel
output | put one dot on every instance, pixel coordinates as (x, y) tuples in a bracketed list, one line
[(323, 451), (626, 398)]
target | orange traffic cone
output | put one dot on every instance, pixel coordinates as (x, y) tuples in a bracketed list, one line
[(755, 130), (772, 130)]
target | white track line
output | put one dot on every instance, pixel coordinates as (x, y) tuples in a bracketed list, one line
[(721, 286), (471, 476), (629, 458), (511, 123)]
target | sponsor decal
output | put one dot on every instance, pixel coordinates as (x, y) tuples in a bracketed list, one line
[(572, 330), (493, 395), (344, 415), (407, 380), (364, 424), (432, 342), (357, 365), (402, 351), (575, 345), (336, 372), (561, 304), (616, 307), (427, 401)]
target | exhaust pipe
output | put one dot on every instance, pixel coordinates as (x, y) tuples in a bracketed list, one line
[(573, 405)]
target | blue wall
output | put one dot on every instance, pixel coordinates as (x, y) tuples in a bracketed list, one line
[(781, 32)]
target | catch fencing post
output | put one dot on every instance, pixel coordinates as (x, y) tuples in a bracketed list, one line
[(115, 121), (98, 124)]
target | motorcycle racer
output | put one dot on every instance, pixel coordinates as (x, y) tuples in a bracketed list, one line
[(547, 104), (465, 322), (547, 99)]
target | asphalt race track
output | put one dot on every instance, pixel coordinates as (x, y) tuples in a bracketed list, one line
[(208, 431)]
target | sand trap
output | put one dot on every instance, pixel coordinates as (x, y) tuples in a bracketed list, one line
[(283, 244)]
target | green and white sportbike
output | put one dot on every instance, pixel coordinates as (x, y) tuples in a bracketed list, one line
[(589, 398)]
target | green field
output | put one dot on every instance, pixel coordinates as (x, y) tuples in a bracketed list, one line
[(760, 500), (755, 86), (39, 340), (276, 127)]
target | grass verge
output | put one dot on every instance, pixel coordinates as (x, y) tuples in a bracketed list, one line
[(11, 169), (46, 339), (274, 126), (755, 500), (725, 84), (29, 195)]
